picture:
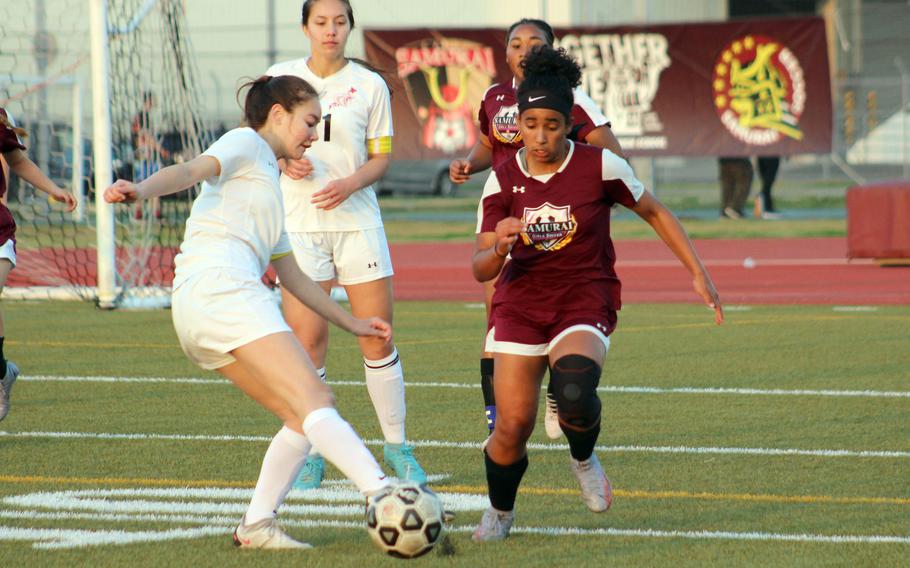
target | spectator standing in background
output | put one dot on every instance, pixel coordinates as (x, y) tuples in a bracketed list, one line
[(767, 173), (735, 182)]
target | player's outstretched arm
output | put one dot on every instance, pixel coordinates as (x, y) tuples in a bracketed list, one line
[(20, 163), (479, 158), (171, 179), (668, 228), (313, 297)]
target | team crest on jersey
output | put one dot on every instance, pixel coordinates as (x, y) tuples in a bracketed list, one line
[(548, 227), (505, 125)]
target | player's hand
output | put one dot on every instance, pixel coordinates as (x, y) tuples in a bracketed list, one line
[(122, 191), (705, 288), (297, 169), (333, 194), (372, 327), (507, 232), (459, 171), (65, 197)]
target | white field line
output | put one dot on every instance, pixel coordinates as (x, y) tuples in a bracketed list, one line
[(607, 389), (835, 453), (223, 526), (49, 539)]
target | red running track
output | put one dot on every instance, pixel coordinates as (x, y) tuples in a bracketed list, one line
[(783, 271)]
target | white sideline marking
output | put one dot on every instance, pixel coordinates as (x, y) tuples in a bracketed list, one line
[(50, 539), (855, 308), (613, 389), (54, 506), (217, 508), (838, 453)]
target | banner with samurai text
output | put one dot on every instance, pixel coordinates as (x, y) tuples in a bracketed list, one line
[(752, 87)]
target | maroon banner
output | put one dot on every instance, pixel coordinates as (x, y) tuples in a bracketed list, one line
[(740, 88)]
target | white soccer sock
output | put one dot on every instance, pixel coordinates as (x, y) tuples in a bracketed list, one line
[(280, 466), (338, 442), (385, 383), (322, 374)]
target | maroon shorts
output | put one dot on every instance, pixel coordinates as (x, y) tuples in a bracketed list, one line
[(535, 333)]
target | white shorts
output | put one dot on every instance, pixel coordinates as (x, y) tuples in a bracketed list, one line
[(353, 257), (541, 349), (220, 310), (8, 251)]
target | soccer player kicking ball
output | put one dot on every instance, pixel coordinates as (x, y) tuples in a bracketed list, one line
[(227, 320), (555, 302)]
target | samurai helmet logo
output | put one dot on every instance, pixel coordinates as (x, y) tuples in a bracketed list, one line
[(759, 90), (444, 79), (548, 227)]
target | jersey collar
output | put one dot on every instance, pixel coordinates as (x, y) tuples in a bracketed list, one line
[(520, 160)]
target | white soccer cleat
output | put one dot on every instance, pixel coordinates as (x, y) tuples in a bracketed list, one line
[(596, 490), (494, 525), (266, 534), (6, 387), (551, 419)]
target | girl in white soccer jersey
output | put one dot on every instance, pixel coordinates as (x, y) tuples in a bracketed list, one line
[(333, 218), (227, 320)]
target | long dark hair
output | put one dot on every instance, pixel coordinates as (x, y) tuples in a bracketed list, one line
[(305, 17), (265, 92), (539, 24)]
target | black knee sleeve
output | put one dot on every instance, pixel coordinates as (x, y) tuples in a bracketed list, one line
[(574, 379)]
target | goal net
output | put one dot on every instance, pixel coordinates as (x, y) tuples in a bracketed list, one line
[(45, 84)]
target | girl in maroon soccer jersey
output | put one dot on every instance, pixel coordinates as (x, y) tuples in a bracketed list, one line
[(501, 138), (555, 302), (13, 152)]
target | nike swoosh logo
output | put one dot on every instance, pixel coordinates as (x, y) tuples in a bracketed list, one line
[(532, 99)]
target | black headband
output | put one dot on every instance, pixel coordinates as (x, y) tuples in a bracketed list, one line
[(544, 98)]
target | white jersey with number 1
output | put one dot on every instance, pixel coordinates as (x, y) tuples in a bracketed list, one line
[(357, 119)]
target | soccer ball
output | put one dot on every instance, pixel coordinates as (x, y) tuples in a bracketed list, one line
[(405, 520)]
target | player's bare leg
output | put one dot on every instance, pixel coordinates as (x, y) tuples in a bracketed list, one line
[(280, 362), (517, 386), (385, 377)]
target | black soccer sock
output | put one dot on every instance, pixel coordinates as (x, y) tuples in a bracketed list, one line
[(486, 385), (2, 356), (576, 378), (581, 444), (503, 481)]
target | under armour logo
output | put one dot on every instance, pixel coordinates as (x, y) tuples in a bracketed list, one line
[(601, 326), (373, 264), (500, 97), (516, 189)]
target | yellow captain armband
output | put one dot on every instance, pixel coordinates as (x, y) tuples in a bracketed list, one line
[(275, 257), (381, 145)]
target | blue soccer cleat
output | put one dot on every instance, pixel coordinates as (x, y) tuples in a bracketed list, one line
[(311, 475), (400, 457)]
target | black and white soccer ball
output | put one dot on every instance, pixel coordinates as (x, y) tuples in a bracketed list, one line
[(405, 520)]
